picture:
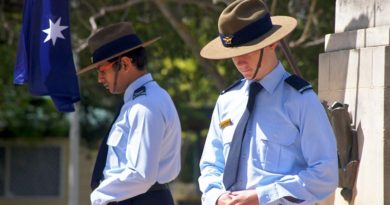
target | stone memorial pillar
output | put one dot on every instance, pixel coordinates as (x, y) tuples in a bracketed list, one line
[(355, 70)]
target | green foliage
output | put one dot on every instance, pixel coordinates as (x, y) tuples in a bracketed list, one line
[(172, 62), (322, 23)]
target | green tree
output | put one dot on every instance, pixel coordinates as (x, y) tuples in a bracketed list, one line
[(193, 82)]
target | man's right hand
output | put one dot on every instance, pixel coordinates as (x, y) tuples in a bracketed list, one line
[(224, 199)]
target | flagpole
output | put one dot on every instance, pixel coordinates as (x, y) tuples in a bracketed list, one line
[(74, 148), (74, 158), (44, 62)]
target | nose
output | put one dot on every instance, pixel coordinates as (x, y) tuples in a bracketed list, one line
[(239, 59), (100, 78)]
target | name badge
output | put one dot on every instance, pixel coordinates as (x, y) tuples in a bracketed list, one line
[(225, 123)]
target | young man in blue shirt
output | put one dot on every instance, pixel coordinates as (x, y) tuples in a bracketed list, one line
[(270, 141), (141, 154)]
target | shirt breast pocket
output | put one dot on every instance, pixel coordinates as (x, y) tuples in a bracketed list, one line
[(115, 149), (276, 147), (227, 137)]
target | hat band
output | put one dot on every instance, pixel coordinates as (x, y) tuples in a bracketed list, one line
[(116, 46), (248, 33)]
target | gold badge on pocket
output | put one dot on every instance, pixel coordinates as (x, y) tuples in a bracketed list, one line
[(225, 123)]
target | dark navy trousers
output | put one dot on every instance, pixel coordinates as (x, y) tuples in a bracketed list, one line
[(159, 197)]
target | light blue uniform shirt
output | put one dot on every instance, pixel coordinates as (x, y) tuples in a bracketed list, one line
[(289, 148), (143, 145)]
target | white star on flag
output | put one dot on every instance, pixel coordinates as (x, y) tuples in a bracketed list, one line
[(54, 31)]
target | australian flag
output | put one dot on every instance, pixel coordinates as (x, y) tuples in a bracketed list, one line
[(44, 60)]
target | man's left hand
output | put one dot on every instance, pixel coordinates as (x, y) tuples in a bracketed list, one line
[(245, 197)]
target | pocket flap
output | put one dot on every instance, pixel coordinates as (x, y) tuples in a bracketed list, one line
[(115, 137), (283, 135)]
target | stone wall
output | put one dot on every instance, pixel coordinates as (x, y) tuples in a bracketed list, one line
[(355, 69), (356, 14)]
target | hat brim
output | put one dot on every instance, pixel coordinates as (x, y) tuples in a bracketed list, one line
[(97, 64), (282, 26)]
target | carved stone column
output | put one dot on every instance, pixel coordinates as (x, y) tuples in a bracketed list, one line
[(355, 70)]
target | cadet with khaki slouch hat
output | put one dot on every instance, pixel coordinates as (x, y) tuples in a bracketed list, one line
[(141, 152), (270, 141)]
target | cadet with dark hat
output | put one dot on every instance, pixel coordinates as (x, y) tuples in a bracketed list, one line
[(270, 141), (141, 153)]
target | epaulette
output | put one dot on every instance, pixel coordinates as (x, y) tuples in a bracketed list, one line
[(298, 83), (139, 91), (231, 86)]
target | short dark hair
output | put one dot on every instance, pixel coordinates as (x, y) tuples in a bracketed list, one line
[(138, 57)]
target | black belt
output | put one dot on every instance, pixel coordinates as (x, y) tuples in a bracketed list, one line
[(155, 187), (294, 200)]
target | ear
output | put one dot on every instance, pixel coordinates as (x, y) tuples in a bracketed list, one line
[(126, 62)]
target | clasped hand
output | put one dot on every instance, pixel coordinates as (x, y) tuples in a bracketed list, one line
[(245, 197)]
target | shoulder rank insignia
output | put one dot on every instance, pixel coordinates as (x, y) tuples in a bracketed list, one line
[(139, 91), (225, 123), (231, 86), (298, 83)]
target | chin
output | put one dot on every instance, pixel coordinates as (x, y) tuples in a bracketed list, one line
[(247, 76), (116, 92)]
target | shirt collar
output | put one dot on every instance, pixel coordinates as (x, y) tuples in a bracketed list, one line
[(136, 84), (272, 79)]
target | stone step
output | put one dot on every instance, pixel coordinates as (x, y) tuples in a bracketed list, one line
[(361, 38)]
